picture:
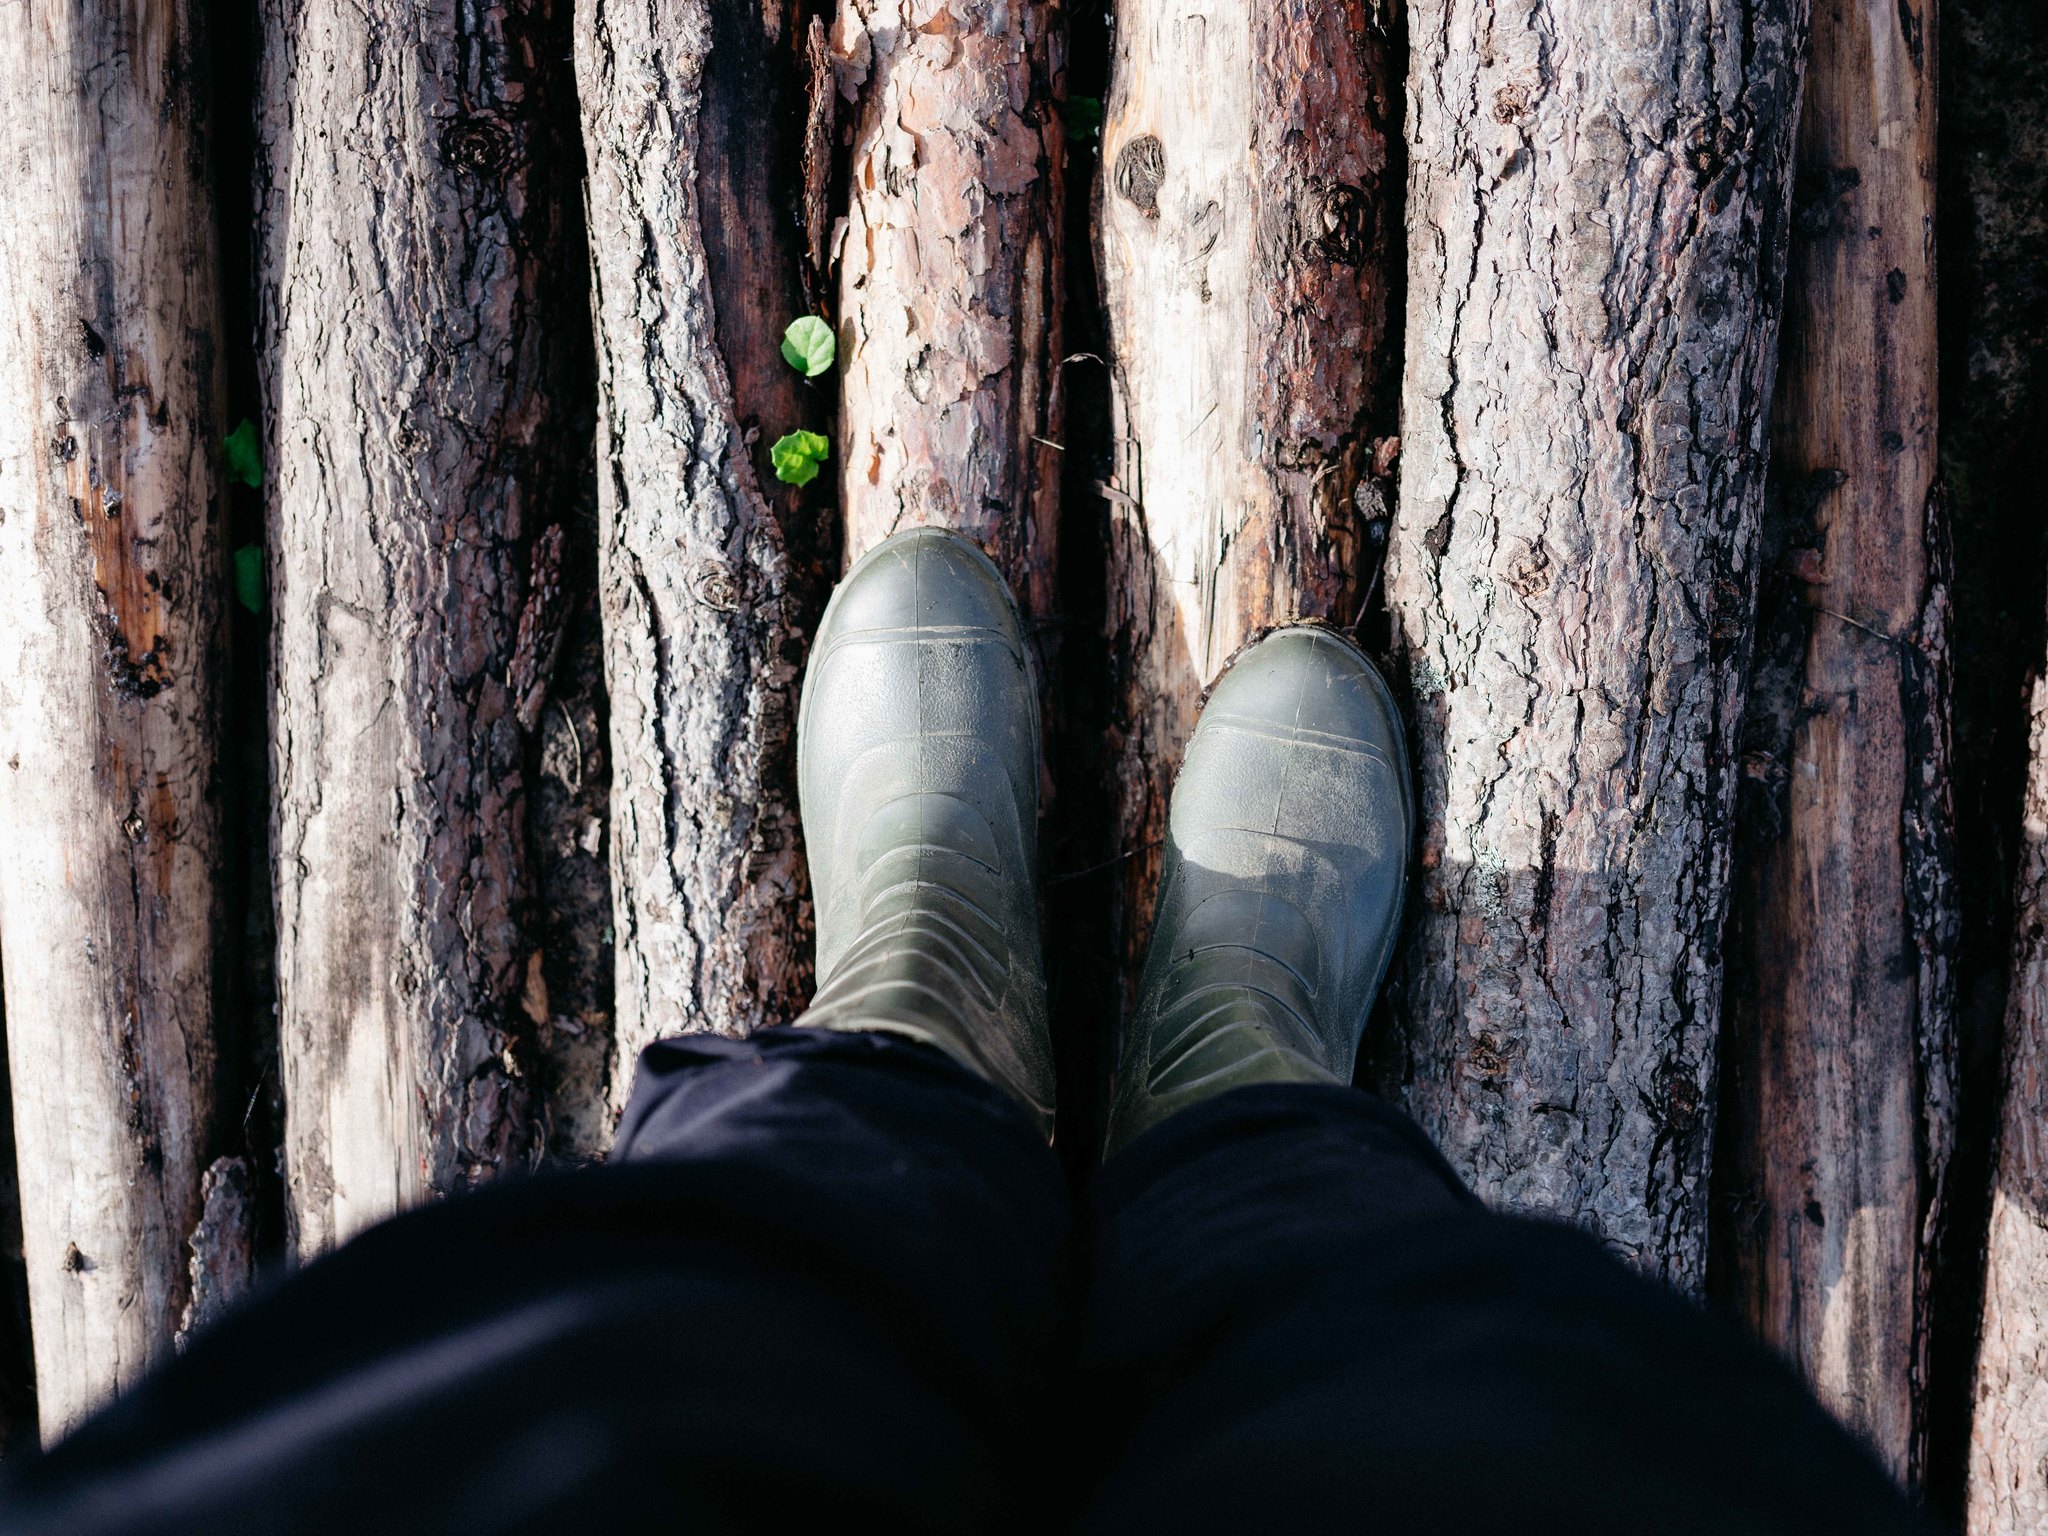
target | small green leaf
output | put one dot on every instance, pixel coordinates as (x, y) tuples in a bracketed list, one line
[(249, 577), (796, 457), (808, 346), (244, 454), (1084, 117)]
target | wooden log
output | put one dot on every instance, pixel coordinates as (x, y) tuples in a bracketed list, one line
[(710, 570), (1246, 243), (949, 278), (1595, 257), (110, 672), (2008, 1488), (418, 325), (1838, 1083)]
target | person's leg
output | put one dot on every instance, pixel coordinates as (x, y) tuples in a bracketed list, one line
[(823, 1281), (1296, 1317), (1298, 1320), (822, 1285)]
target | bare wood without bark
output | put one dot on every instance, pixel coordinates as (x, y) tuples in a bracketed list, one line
[(1246, 251), (1838, 1089), (696, 252), (2008, 1490), (109, 673), (411, 198), (949, 277), (1596, 216)]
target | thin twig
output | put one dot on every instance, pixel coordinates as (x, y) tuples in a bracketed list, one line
[(1095, 869), (574, 740), (1371, 590), (250, 1113), (1868, 629)]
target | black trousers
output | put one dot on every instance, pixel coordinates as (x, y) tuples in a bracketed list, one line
[(836, 1278)]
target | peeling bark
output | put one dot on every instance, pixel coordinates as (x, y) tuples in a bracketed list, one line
[(1839, 1057), (710, 570), (949, 278), (1596, 221), (1246, 240), (222, 1249), (110, 665), (2008, 1489), (412, 297)]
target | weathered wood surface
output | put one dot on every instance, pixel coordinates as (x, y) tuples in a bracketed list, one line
[(949, 277), (1597, 206), (1838, 1084), (2008, 1487), (1246, 234), (110, 666), (710, 569), (415, 316)]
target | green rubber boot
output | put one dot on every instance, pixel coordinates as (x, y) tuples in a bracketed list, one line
[(1285, 870), (917, 768)]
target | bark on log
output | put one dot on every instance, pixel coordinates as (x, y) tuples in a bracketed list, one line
[(949, 278), (1596, 213), (2008, 1490), (110, 668), (413, 343), (1838, 1082), (1246, 245), (692, 119)]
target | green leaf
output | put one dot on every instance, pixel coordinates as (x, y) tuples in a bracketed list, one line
[(249, 577), (796, 457), (1084, 117), (244, 454), (809, 346)]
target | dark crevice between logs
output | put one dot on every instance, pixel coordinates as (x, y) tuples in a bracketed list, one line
[(251, 1119), (1993, 339), (1382, 1051), (1080, 870), (565, 1001)]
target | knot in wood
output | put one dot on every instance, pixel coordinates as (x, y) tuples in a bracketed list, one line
[(1140, 169), (717, 587), (1343, 224), (1679, 1098), (481, 143), (1712, 144), (130, 676), (1488, 1059)]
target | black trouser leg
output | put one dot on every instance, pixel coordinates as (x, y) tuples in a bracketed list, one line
[(1297, 1320), (818, 1288)]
